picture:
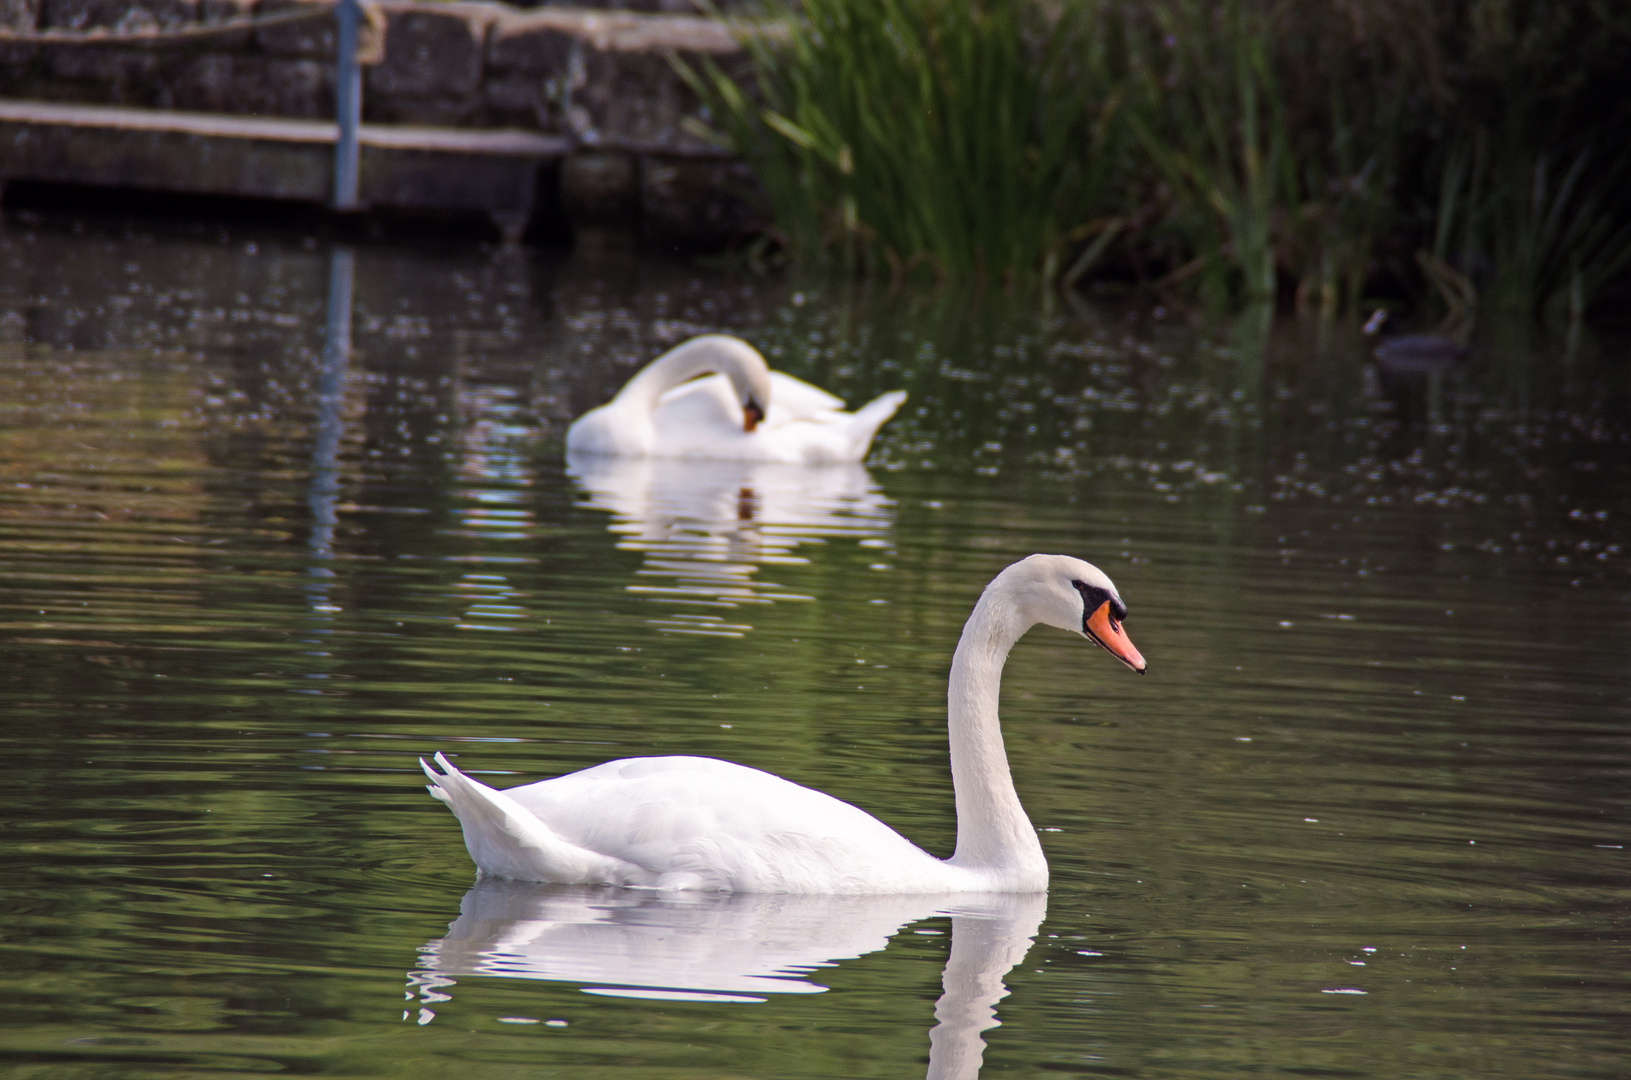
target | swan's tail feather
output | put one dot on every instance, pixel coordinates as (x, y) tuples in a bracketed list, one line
[(505, 840), (868, 419)]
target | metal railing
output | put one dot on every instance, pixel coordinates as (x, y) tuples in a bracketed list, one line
[(354, 49)]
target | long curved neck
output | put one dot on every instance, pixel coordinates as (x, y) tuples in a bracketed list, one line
[(687, 361), (993, 833)]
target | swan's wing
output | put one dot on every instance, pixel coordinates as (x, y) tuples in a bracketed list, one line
[(830, 438), (866, 422), (703, 823), (705, 404), (710, 403), (702, 419), (798, 399), (505, 839)]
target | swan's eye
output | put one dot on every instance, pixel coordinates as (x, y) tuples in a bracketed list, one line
[(1093, 598)]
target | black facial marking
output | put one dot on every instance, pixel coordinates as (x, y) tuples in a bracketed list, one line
[(1094, 598)]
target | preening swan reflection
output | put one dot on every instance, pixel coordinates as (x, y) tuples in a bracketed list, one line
[(706, 527), (677, 823), (723, 947), (742, 411)]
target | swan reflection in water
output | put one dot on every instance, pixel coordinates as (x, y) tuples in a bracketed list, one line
[(706, 527), (728, 947)]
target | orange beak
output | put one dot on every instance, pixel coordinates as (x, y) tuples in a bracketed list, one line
[(751, 415), (1107, 633)]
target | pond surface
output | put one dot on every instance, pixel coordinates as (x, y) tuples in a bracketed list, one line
[(1366, 816)]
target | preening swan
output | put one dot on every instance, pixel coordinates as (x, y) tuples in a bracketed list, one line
[(699, 823), (742, 412)]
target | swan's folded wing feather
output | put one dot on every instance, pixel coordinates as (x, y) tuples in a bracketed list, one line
[(799, 399), (709, 405), (866, 421), (505, 839), (707, 402), (830, 438)]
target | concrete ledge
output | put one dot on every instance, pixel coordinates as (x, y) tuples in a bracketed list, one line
[(468, 100), (492, 172)]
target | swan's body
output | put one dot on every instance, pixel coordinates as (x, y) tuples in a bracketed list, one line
[(700, 823), (742, 411)]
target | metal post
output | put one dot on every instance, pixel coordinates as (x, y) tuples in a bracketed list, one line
[(347, 103), (324, 494)]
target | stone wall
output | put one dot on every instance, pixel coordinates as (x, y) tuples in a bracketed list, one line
[(602, 78)]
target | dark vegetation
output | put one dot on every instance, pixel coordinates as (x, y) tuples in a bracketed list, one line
[(1460, 155)]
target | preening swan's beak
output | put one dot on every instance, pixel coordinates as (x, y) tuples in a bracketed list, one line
[(751, 414), (1107, 633)]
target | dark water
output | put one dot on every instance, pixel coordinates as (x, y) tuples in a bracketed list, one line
[(1367, 815)]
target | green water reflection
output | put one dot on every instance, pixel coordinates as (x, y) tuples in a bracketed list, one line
[(245, 579)]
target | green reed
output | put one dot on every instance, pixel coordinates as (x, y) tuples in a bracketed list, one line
[(1527, 230), (1242, 150), (1210, 122), (1526, 185), (898, 134)]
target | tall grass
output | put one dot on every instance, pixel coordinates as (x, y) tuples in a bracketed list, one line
[(1529, 230), (897, 134), (1211, 123), (1528, 177), (1313, 151)]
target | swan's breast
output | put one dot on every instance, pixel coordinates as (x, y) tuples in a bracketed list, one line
[(610, 429)]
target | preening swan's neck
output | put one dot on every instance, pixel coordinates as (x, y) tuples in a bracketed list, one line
[(700, 356), (993, 833)]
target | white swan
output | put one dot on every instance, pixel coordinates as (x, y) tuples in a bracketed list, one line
[(742, 412), (700, 823)]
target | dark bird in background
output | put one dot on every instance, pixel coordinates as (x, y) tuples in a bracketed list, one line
[(1411, 352)]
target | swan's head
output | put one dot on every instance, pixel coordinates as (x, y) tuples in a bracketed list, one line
[(1076, 596), (741, 364)]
